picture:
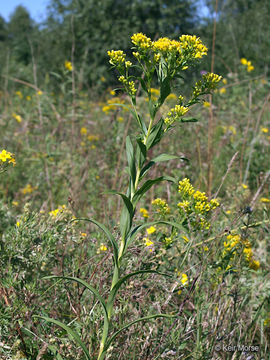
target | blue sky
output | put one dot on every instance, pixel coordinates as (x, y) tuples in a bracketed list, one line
[(36, 8)]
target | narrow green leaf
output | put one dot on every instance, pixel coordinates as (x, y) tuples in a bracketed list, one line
[(131, 160), (155, 135), (84, 283), (159, 158), (140, 152), (107, 233), (146, 318), (70, 332), (165, 90), (189, 120), (147, 185)]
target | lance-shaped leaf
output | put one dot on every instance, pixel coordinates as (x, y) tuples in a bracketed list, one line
[(147, 185), (140, 153), (72, 333), (159, 158), (189, 120), (84, 283), (131, 160), (145, 318), (126, 214), (139, 228), (155, 134), (165, 90), (107, 233)]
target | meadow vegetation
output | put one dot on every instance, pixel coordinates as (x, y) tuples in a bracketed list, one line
[(134, 205)]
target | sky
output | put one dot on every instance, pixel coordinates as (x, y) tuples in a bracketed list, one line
[(36, 8)]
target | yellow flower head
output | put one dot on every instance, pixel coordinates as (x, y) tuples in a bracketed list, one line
[(192, 46), (17, 117), (103, 247), (243, 61), (151, 230), (117, 57), (141, 41), (7, 156), (264, 130), (68, 65), (83, 131), (184, 279), (144, 213)]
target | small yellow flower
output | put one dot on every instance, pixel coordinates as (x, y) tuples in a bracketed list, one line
[(83, 234), (54, 212), (254, 265), (244, 186), (144, 213), (206, 248), (19, 94), (228, 212), (28, 98), (17, 117), (222, 90), (68, 65), (18, 223), (264, 200), (39, 92), (15, 203), (264, 130), (120, 119), (112, 92), (83, 131), (244, 61), (148, 243), (6, 155), (184, 279), (28, 189), (103, 247), (185, 238), (151, 230), (224, 81), (206, 104)]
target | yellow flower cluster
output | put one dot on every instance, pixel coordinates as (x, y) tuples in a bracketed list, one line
[(193, 46), (28, 189), (195, 202), (165, 45), (6, 156), (68, 65), (248, 64), (129, 85), (151, 230), (175, 113), (233, 242), (144, 213), (117, 57), (187, 46), (209, 82), (161, 206), (110, 105), (57, 211), (185, 188), (141, 41), (148, 243), (17, 117), (19, 93)]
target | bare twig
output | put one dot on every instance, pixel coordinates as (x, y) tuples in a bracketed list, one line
[(226, 174)]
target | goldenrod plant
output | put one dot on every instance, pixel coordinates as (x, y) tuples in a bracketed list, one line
[(163, 60)]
